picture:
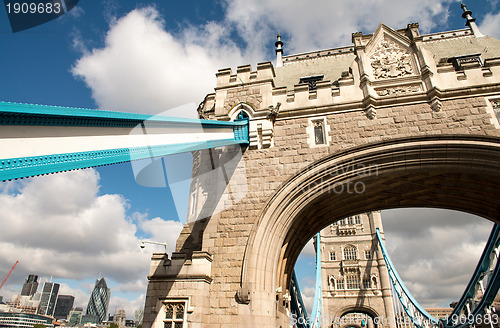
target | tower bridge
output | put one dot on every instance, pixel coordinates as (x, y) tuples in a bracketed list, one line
[(397, 119)]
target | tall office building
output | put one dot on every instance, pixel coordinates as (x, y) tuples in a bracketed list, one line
[(63, 306), (30, 287), (99, 300), (48, 299), (75, 316)]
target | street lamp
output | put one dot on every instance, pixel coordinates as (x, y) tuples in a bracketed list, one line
[(144, 242)]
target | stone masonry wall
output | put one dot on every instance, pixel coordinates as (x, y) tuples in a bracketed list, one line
[(227, 232)]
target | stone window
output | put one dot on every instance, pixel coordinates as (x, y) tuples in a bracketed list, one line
[(319, 132), (368, 254), (332, 256), (357, 219), (339, 283), (366, 283), (352, 281), (350, 253), (496, 108), (174, 315)]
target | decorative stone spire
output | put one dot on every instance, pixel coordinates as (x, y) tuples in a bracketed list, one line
[(279, 51), (471, 22)]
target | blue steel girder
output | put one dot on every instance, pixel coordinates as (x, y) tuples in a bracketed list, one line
[(316, 317), (469, 307), (297, 306), (38, 139), (419, 316)]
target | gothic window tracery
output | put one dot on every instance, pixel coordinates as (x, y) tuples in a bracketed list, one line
[(174, 315), (350, 253), (352, 281)]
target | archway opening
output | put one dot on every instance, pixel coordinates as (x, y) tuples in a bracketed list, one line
[(443, 172), (435, 252)]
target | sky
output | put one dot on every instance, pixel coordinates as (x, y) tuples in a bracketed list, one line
[(154, 57)]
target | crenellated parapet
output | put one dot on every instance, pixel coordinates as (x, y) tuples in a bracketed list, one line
[(378, 70)]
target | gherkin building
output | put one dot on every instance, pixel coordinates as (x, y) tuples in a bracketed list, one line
[(99, 300)]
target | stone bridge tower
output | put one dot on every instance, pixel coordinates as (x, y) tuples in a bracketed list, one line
[(400, 118), (355, 280)]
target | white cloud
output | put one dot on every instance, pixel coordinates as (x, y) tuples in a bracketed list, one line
[(59, 226), (435, 251), (491, 25), (309, 250), (328, 23), (308, 297), (143, 68)]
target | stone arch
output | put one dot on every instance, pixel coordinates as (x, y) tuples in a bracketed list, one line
[(369, 311), (332, 282), (452, 172), (242, 106)]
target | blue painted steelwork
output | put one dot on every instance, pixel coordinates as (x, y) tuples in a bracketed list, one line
[(316, 311), (39, 115), (16, 168), (298, 310), (468, 307), (29, 114), (417, 314)]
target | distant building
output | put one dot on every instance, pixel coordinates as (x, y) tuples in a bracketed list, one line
[(24, 320), (48, 299), (64, 305), (75, 316), (120, 318), (440, 313), (25, 303), (89, 318), (355, 281), (99, 300), (30, 287)]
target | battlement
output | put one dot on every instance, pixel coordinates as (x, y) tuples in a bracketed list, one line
[(447, 35), (244, 74), (318, 54)]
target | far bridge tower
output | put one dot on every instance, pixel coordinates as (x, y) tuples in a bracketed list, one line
[(355, 282)]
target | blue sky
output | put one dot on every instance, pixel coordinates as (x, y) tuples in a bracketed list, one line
[(150, 57)]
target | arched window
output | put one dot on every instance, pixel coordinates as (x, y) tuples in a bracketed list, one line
[(331, 282), (242, 114), (350, 253), (319, 132), (174, 315)]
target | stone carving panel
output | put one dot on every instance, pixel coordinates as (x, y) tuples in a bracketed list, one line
[(399, 90), (390, 61)]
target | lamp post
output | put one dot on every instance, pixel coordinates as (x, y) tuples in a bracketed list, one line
[(144, 242)]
